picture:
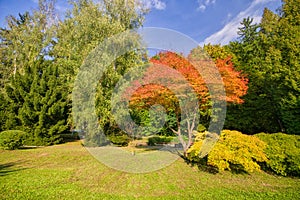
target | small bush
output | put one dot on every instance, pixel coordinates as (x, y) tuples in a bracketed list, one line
[(119, 140), (159, 140), (233, 151), (69, 137), (12, 139), (283, 152)]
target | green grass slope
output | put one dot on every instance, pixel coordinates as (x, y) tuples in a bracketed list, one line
[(68, 171)]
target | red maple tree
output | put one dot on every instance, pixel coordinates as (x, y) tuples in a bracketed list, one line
[(162, 70)]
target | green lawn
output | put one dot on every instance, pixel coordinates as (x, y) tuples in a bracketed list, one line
[(68, 171)]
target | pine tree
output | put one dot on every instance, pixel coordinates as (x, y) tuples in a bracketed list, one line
[(38, 100)]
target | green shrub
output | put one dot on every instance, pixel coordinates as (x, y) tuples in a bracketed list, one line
[(12, 139), (283, 152), (159, 140), (233, 151), (119, 140), (69, 137)]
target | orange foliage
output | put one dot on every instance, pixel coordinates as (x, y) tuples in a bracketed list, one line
[(234, 82)]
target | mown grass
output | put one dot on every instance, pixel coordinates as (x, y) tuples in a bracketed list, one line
[(68, 171)]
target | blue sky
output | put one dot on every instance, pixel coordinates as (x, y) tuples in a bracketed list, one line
[(205, 21)]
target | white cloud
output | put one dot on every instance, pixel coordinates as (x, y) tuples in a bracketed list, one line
[(229, 31), (156, 4), (159, 5), (201, 7), (202, 4)]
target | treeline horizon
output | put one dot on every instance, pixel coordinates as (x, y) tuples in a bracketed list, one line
[(41, 56)]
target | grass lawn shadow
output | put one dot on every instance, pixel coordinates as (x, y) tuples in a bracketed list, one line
[(10, 167)]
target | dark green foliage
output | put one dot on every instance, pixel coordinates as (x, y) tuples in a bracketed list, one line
[(69, 137), (269, 53), (38, 103), (3, 113), (119, 140), (142, 118), (159, 140), (12, 139), (283, 152)]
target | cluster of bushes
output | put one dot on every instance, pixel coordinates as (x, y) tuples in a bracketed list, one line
[(283, 152), (233, 151), (14, 139), (119, 140), (278, 153), (159, 140), (69, 137)]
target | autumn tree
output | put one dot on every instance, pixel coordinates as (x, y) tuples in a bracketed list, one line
[(184, 125)]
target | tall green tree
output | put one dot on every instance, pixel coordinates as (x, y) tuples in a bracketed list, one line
[(86, 25), (269, 53), (38, 103), (25, 39)]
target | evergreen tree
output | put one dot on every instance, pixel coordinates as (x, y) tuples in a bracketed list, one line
[(269, 54), (38, 103)]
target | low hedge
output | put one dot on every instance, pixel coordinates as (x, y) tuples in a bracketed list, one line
[(12, 139), (69, 137), (119, 140), (159, 140), (283, 152)]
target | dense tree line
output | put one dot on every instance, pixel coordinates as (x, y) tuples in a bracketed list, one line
[(41, 56), (269, 54)]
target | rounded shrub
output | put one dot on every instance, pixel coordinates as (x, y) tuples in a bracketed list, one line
[(119, 140), (233, 151), (159, 140), (12, 139), (283, 152)]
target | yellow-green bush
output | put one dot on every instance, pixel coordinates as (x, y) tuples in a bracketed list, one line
[(233, 151), (283, 152)]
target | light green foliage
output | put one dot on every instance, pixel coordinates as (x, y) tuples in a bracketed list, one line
[(233, 151), (86, 26), (12, 139), (217, 51), (25, 39), (283, 152)]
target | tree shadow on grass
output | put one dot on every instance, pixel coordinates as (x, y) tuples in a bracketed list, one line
[(8, 168), (238, 169), (203, 166)]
